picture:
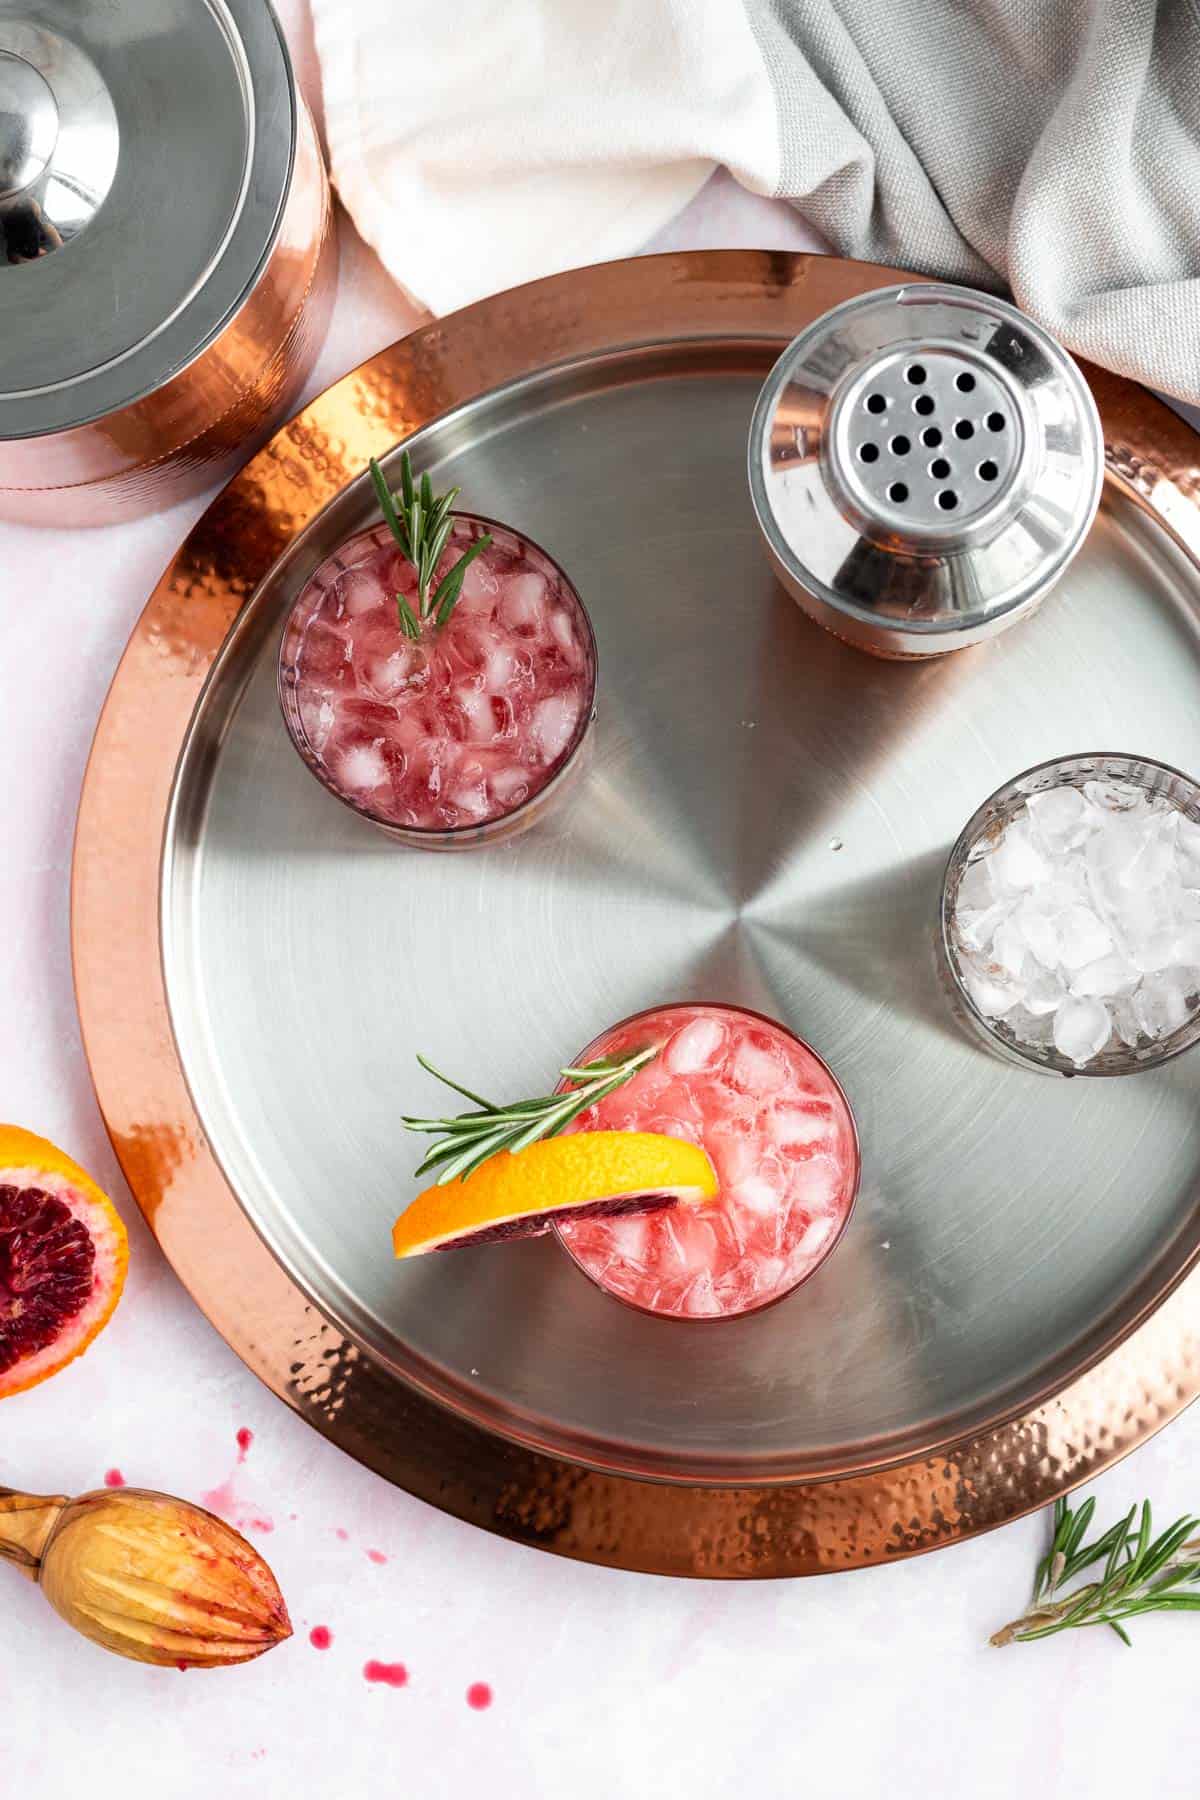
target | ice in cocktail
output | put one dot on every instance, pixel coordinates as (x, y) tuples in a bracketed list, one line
[(458, 731), (779, 1132)]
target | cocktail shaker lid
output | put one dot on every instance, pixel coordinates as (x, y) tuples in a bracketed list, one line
[(145, 156), (927, 460)]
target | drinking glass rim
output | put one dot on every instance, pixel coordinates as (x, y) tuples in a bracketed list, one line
[(1052, 1061), (443, 833), (746, 1012)]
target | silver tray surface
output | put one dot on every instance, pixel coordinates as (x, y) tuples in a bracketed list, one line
[(766, 823)]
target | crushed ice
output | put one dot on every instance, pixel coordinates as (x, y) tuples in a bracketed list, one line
[(1080, 925)]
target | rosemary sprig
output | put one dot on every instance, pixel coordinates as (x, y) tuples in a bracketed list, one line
[(470, 1138), (1141, 1574), (421, 525)]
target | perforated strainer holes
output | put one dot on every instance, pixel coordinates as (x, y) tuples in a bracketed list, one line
[(995, 421), (909, 437), (988, 470)]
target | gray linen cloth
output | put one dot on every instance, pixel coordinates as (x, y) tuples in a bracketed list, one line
[(1048, 146)]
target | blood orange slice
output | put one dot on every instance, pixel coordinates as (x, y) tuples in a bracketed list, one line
[(521, 1193), (63, 1254)]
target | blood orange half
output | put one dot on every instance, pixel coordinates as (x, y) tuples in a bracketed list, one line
[(63, 1255)]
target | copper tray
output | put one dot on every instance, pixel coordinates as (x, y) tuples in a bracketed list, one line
[(992, 1387)]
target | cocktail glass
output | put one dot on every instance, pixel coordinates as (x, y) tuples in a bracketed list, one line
[(466, 736), (781, 1136), (982, 831)]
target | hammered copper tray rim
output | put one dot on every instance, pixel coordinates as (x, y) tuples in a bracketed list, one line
[(857, 1519)]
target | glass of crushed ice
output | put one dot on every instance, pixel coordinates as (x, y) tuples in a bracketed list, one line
[(1071, 915), (465, 735)]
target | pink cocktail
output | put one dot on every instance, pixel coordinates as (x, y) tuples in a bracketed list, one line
[(779, 1132), (465, 734)]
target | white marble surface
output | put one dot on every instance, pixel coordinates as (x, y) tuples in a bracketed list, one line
[(603, 1683)]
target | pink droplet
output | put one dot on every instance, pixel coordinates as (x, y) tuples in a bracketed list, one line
[(245, 1438), (390, 1674), (376, 1556), (479, 1696), (320, 1637), (221, 1499), (114, 1478), (343, 1534)]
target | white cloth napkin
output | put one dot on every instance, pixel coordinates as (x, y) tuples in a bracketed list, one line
[(1048, 146)]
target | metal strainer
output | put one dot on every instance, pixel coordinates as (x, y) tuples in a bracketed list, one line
[(924, 463)]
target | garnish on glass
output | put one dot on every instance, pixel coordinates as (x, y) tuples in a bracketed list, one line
[(1141, 1574), (506, 1172), (421, 524)]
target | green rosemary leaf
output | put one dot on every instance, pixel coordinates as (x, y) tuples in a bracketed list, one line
[(457, 1086), (1078, 1524), (1049, 1571), (406, 480), (471, 1138), (1133, 1569), (1119, 1543), (1167, 1547), (442, 508), (409, 623), (426, 493), (1121, 1633), (450, 587), (388, 507), (439, 537), (1087, 1554), (413, 523)]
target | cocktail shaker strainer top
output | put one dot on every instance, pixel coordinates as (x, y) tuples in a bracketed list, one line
[(924, 463)]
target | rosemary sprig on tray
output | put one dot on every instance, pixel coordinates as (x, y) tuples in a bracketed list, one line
[(1141, 1574), (469, 1139), (421, 524)]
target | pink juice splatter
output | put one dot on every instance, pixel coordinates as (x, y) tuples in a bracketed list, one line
[(781, 1138), (479, 1696), (386, 1674), (113, 1478), (320, 1637), (461, 729)]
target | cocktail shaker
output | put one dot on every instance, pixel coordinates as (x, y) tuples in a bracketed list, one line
[(924, 463), (166, 257)]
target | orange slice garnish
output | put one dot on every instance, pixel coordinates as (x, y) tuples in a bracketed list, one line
[(520, 1193)]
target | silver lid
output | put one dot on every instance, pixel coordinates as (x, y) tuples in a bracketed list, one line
[(145, 156), (924, 462)]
